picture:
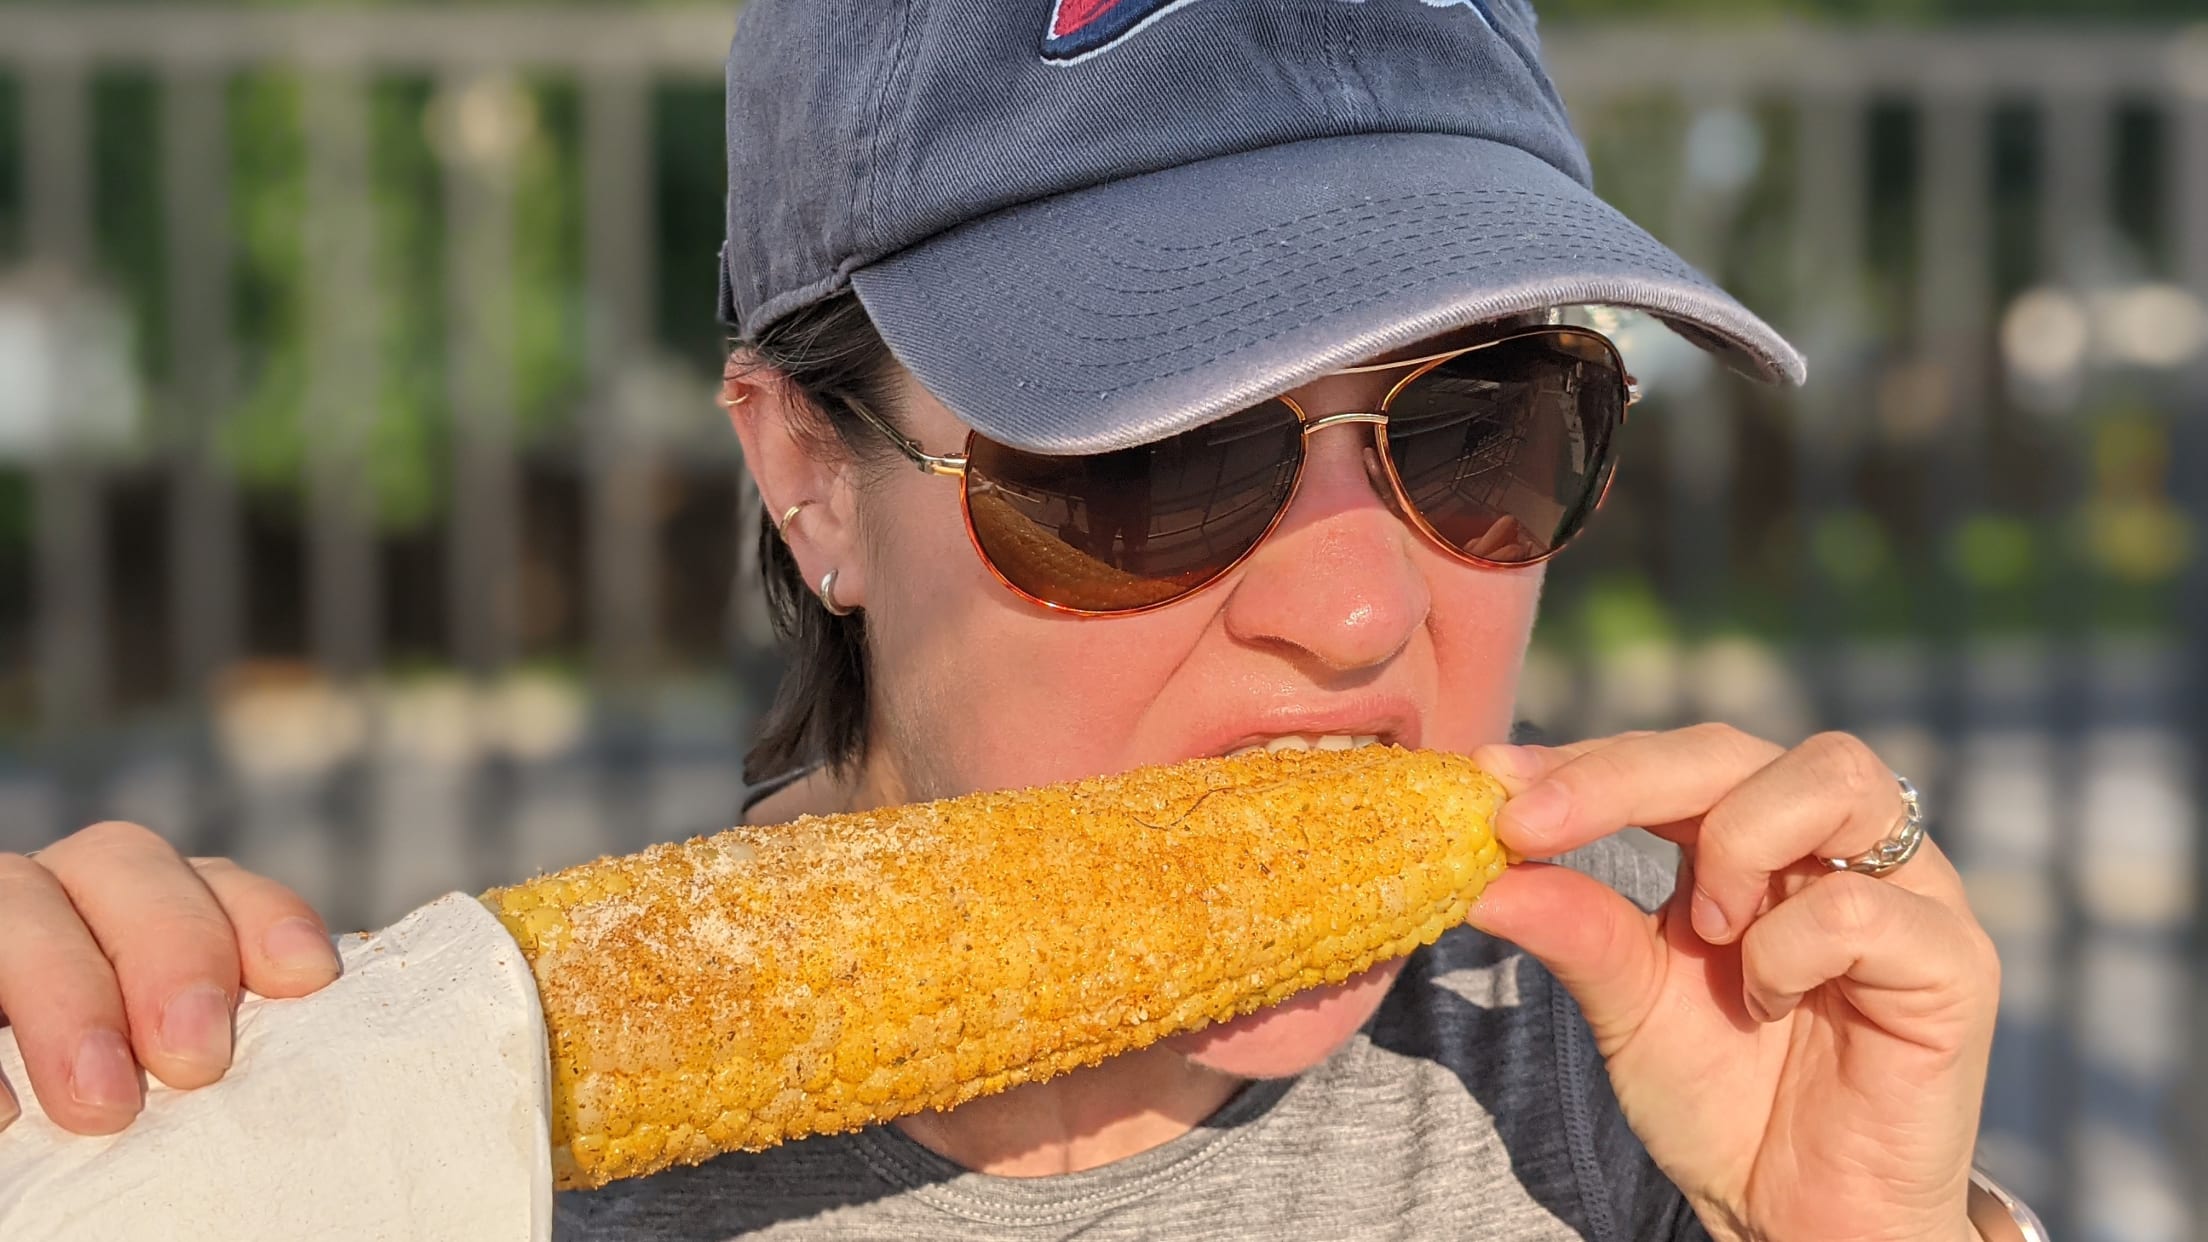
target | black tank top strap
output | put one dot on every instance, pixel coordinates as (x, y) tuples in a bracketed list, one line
[(773, 785)]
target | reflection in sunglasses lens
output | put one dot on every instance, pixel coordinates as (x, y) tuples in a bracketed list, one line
[(1504, 452), (1113, 532)]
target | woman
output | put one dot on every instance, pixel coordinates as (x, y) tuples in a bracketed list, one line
[(1222, 336)]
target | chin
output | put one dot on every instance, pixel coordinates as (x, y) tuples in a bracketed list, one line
[(1293, 1036)]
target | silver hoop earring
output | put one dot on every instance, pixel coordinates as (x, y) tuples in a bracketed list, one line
[(828, 596)]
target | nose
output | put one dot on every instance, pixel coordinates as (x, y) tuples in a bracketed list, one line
[(1335, 587)]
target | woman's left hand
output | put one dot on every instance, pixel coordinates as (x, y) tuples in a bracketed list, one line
[(1802, 1051)]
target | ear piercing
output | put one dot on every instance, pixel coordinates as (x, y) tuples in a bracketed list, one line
[(789, 515), (827, 588), (828, 596)]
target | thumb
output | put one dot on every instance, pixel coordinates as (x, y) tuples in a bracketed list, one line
[(1603, 948)]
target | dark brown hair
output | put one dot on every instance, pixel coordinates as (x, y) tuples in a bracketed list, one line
[(831, 358)]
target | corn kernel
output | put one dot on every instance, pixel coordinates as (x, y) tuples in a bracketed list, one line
[(738, 991)]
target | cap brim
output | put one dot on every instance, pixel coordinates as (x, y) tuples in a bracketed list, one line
[(1118, 314)]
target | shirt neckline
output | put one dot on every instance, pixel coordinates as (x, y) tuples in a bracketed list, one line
[(992, 1199)]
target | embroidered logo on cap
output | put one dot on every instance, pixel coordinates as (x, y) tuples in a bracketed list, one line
[(1080, 29)]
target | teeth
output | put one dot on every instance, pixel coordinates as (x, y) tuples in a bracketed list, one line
[(1309, 741)]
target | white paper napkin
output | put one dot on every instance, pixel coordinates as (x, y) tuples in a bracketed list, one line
[(405, 1101)]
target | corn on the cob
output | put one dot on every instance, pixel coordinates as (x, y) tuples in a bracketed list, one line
[(767, 983)]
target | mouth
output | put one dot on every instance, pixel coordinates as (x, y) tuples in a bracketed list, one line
[(1286, 1039), (1308, 741)]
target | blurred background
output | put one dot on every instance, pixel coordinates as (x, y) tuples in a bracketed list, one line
[(365, 512)]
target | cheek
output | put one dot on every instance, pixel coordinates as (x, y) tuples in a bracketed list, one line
[(1480, 624), (979, 689)]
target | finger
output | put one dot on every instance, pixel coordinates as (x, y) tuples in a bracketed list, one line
[(10, 1108), (1602, 947), (1908, 963), (63, 1002), (174, 953), (1650, 780), (1520, 767), (284, 947), (1507, 536), (1830, 797)]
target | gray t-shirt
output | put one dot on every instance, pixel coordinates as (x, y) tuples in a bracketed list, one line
[(1472, 1105)]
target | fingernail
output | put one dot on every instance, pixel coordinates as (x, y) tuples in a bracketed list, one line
[(1709, 919), (1538, 812), (1507, 761), (195, 1026), (104, 1076), (297, 946)]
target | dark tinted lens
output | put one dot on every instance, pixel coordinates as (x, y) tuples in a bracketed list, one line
[(1112, 532), (1504, 451)]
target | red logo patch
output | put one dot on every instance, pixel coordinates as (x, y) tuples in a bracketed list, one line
[(1080, 29)]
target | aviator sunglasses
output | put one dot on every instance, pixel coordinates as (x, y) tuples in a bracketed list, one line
[(1498, 452)]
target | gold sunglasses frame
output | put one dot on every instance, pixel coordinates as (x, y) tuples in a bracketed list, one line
[(956, 466)]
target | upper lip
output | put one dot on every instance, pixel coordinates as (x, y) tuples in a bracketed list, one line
[(1391, 722)]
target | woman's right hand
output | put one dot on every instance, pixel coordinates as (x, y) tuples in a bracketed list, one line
[(116, 953)]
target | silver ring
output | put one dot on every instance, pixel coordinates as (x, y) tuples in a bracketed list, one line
[(1900, 845), (828, 596)]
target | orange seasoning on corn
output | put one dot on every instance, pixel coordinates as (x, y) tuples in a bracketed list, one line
[(767, 983)]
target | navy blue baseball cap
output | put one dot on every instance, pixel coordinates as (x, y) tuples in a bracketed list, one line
[(1088, 224)]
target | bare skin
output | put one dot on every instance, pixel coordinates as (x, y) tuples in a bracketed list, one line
[(1827, 1046)]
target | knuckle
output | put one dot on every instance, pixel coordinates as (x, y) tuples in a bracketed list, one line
[(1852, 906), (1731, 741), (1846, 762), (27, 891), (52, 963), (1593, 779), (1986, 955), (245, 893), (1714, 733), (176, 941), (1716, 845), (1756, 952), (16, 869), (211, 868), (116, 836), (1592, 770)]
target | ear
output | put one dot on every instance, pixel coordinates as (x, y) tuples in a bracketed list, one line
[(795, 459)]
